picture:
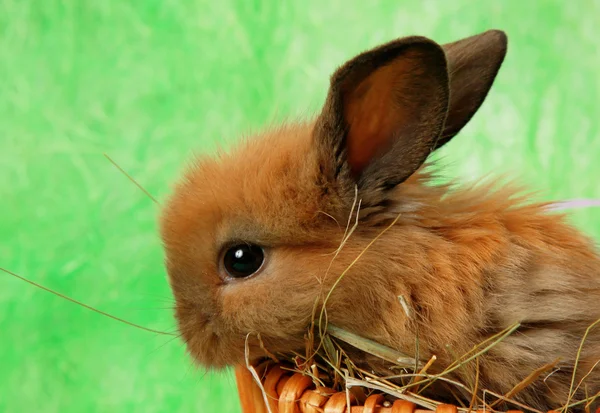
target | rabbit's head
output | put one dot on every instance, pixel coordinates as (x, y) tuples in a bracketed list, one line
[(250, 235)]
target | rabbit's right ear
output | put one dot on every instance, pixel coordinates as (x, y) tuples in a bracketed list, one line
[(383, 115)]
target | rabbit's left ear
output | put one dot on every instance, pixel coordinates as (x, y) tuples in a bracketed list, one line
[(389, 108), (383, 116)]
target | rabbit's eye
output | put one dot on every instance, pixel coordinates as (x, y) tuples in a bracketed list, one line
[(243, 260)]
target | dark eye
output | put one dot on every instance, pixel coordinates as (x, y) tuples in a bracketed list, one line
[(243, 260)]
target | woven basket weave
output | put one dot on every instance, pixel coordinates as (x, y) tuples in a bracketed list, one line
[(289, 392)]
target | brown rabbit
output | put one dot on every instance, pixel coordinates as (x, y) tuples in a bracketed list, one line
[(249, 236)]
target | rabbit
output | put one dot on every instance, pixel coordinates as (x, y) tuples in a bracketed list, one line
[(249, 234)]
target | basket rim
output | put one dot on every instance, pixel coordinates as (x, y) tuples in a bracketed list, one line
[(293, 392)]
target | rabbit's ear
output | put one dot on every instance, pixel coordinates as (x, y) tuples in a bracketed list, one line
[(383, 115), (473, 64)]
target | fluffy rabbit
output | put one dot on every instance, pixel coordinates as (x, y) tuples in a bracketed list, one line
[(250, 235)]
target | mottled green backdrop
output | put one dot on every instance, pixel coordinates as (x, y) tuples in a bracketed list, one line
[(148, 82)]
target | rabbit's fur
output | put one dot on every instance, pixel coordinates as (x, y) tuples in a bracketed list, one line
[(469, 261)]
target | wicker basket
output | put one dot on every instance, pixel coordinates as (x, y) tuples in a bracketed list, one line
[(289, 392)]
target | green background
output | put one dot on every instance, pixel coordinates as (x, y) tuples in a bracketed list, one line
[(149, 82)]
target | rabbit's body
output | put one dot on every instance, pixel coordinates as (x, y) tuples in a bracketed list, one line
[(469, 262), (470, 269)]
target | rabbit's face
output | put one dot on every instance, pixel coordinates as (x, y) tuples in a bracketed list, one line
[(246, 239), (249, 236)]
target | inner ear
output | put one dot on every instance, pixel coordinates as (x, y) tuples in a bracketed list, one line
[(375, 114), (385, 111)]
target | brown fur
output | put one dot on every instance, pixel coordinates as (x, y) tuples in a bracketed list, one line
[(470, 261)]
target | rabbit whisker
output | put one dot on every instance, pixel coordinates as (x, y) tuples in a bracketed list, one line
[(150, 330), (136, 183)]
